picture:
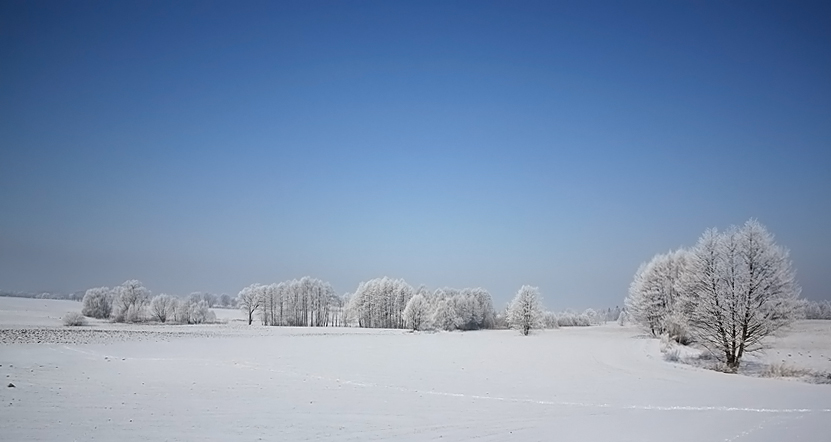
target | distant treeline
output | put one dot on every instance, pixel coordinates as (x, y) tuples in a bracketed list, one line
[(75, 296)]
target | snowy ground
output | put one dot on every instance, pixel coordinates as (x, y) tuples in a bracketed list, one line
[(234, 382)]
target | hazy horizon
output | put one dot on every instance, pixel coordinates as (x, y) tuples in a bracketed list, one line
[(206, 146)]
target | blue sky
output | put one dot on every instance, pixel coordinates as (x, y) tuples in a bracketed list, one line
[(207, 146)]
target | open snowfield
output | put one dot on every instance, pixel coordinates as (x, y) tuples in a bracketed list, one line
[(234, 382)]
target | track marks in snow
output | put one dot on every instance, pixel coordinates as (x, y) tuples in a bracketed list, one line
[(662, 408), (572, 404)]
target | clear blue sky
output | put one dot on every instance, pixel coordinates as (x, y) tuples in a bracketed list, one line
[(207, 146)]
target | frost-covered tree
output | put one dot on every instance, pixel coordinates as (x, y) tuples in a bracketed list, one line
[(818, 309), (97, 303), (131, 298), (210, 299), (416, 313), (525, 311), (225, 300), (739, 289), (200, 313), (380, 303), (444, 317), (161, 307), (249, 300), (654, 292)]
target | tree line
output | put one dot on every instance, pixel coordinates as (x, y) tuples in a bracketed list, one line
[(132, 302)]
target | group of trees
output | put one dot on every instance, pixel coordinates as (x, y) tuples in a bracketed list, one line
[(727, 293), (304, 302), (525, 313), (377, 303), (393, 303), (818, 310), (571, 318), (74, 296), (132, 302)]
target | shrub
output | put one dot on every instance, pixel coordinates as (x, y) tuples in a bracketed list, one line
[(672, 355), (783, 370), (74, 319), (676, 327), (97, 303)]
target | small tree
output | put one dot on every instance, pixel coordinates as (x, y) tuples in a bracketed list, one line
[(97, 303), (249, 300), (417, 312), (161, 307), (525, 311)]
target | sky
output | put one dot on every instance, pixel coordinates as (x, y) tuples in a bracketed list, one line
[(206, 146)]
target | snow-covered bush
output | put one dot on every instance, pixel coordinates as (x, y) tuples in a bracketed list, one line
[(676, 327), (525, 311), (97, 303), (74, 319)]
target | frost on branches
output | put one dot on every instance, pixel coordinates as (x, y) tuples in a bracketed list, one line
[(525, 311), (384, 302), (732, 290), (741, 288), (654, 293)]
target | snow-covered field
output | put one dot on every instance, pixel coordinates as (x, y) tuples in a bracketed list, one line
[(234, 382)]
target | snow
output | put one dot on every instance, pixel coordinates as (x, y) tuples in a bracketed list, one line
[(23, 312), (234, 382)]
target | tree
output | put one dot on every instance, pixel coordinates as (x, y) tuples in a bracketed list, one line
[(444, 316), (225, 300), (818, 309), (654, 292), (97, 303), (249, 300), (131, 298), (198, 312), (416, 313), (380, 302), (740, 288), (161, 307), (525, 311)]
